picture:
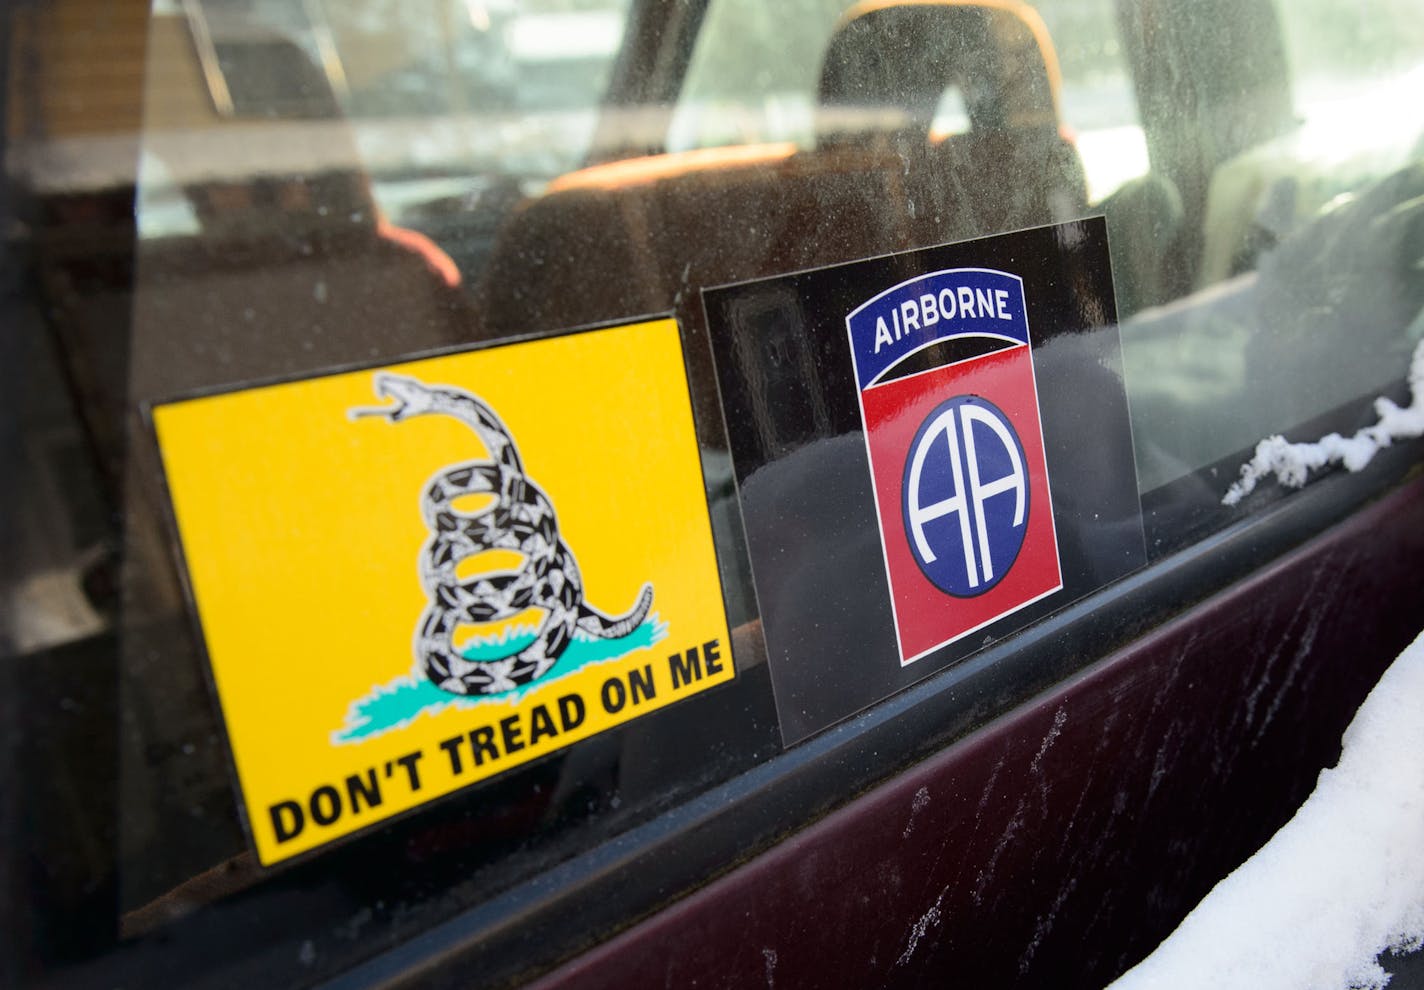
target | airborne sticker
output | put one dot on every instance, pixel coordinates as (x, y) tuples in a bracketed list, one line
[(949, 402), (894, 426)]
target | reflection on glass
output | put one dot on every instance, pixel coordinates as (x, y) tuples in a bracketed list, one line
[(326, 184)]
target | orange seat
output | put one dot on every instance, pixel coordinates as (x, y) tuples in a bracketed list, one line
[(638, 236), (631, 237), (893, 61)]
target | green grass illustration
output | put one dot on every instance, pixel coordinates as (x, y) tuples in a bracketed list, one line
[(401, 701)]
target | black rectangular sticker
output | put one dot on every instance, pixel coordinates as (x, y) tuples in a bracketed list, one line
[(932, 450)]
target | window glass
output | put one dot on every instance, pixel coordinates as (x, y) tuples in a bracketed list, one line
[(1296, 211), (754, 73), (1349, 44), (449, 109), (326, 185), (1098, 102)]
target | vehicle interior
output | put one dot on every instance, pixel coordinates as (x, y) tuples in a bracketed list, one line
[(205, 194)]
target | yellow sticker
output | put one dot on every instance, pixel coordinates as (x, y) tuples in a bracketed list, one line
[(413, 578)]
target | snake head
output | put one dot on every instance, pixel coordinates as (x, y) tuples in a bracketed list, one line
[(411, 398)]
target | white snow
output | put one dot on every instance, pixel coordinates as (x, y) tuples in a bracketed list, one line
[(1343, 880), (1292, 463)]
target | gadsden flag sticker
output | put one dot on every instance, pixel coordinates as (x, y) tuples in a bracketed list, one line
[(415, 577)]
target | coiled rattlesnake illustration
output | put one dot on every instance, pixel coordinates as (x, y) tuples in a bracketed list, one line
[(521, 519)]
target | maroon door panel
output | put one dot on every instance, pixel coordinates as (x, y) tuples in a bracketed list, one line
[(1057, 845)]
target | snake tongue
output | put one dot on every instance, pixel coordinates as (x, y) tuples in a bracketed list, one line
[(394, 413)]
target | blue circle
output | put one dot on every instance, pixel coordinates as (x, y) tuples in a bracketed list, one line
[(957, 569)]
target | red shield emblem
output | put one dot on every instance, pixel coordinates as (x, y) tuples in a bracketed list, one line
[(948, 400)]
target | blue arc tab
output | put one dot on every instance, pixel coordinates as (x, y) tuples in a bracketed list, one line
[(956, 302)]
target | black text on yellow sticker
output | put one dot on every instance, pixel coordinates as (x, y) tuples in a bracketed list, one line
[(416, 577)]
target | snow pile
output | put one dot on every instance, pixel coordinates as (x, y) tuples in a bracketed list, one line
[(1339, 884), (1291, 463)]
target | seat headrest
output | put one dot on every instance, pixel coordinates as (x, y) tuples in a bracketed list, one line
[(262, 146), (890, 62)]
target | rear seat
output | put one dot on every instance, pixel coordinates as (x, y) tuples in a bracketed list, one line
[(1016, 165), (634, 237), (627, 238)]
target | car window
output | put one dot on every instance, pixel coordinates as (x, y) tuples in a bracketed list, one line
[(1272, 340), (1216, 208), (754, 71), (443, 104)]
